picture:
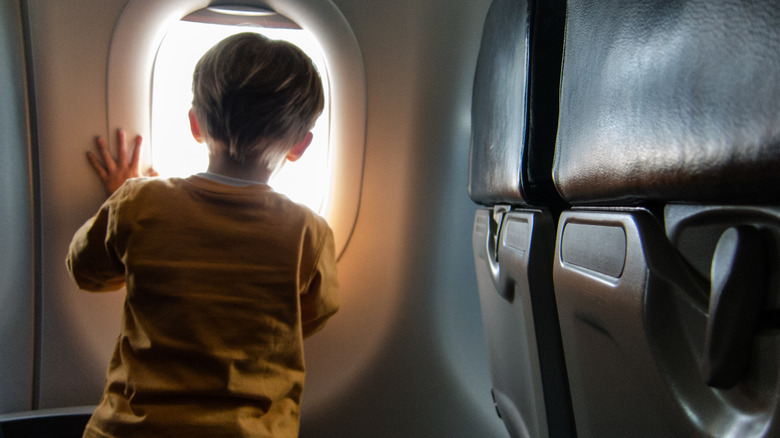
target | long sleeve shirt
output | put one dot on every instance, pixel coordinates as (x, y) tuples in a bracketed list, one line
[(223, 283)]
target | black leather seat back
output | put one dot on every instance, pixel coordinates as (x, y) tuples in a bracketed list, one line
[(666, 267), (670, 100), (514, 119), (54, 423), (515, 103)]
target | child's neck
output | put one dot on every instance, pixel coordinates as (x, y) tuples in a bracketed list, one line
[(246, 171)]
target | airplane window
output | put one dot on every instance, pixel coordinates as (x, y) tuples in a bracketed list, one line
[(175, 152), (154, 50)]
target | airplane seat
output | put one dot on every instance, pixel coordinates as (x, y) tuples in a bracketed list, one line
[(666, 265), (47, 423), (514, 119)]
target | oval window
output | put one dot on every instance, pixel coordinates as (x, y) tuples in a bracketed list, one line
[(154, 48), (173, 150)]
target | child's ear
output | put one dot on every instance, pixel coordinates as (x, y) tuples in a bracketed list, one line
[(299, 148), (194, 127)]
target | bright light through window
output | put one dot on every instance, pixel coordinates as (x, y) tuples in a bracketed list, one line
[(176, 153)]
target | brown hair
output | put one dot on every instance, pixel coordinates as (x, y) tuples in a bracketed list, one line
[(256, 97)]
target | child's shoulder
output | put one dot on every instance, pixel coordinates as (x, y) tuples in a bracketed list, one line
[(298, 213), (141, 187), (293, 208), (150, 183)]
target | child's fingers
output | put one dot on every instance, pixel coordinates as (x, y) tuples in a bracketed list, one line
[(101, 171), (122, 148), (136, 157), (107, 158)]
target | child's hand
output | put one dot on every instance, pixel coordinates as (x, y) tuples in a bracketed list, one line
[(115, 172)]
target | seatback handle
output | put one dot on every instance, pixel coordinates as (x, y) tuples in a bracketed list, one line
[(738, 290)]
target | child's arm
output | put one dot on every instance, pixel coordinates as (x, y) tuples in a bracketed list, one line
[(90, 261), (115, 172), (321, 300)]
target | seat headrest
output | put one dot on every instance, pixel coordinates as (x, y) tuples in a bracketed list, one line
[(515, 103), (673, 100)]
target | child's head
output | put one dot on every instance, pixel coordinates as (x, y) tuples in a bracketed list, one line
[(256, 97)]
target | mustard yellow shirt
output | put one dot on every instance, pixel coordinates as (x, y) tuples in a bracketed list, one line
[(223, 283)]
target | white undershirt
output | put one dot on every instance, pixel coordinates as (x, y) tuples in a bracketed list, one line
[(228, 180)]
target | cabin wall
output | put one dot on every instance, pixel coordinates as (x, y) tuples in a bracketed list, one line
[(405, 355), (70, 42), (17, 218), (410, 358)]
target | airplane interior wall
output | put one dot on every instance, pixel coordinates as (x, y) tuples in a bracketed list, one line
[(405, 356), (413, 295), (17, 289)]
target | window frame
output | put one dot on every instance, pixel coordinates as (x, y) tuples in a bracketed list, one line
[(173, 150), (140, 30)]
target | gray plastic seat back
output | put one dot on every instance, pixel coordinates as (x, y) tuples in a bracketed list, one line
[(666, 268), (514, 118)]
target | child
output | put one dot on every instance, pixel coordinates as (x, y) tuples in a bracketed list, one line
[(224, 276)]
